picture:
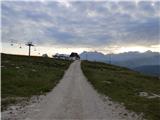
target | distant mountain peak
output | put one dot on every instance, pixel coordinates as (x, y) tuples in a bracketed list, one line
[(92, 52), (149, 51)]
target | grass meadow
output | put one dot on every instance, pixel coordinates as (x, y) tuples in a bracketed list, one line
[(23, 76), (124, 86)]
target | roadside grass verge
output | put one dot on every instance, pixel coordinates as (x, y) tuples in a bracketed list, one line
[(124, 86), (23, 76)]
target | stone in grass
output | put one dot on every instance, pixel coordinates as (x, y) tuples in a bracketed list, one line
[(33, 70), (17, 67), (143, 94), (107, 82), (153, 96)]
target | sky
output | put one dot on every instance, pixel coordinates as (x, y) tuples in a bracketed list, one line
[(77, 26)]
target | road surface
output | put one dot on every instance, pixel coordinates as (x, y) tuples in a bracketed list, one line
[(75, 98)]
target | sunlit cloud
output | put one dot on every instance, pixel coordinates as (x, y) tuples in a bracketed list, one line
[(82, 26)]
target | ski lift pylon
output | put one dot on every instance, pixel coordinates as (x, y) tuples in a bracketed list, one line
[(11, 43), (20, 46)]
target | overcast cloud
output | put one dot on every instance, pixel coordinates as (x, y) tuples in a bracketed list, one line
[(81, 24)]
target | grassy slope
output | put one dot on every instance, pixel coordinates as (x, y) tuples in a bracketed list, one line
[(124, 85), (24, 76)]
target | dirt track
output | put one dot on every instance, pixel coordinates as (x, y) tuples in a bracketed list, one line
[(74, 98)]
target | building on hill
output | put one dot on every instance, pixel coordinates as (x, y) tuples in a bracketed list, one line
[(61, 56), (74, 56)]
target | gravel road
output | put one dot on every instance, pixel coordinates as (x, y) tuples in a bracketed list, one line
[(74, 98)]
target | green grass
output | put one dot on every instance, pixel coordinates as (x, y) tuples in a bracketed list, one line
[(123, 85), (23, 76)]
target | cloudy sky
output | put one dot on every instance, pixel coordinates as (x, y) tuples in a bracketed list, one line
[(80, 26)]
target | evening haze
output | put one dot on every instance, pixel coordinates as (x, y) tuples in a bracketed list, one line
[(66, 26), (80, 59)]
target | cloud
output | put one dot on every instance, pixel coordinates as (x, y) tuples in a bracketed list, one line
[(92, 24), (65, 3), (145, 33)]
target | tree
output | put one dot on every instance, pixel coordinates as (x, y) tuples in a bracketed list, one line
[(44, 55)]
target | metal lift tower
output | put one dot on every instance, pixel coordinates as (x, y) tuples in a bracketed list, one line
[(29, 44)]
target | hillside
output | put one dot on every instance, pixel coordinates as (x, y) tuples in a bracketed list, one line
[(149, 69), (136, 91), (23, 76), (121, 57), (141, 61), (128, 59)]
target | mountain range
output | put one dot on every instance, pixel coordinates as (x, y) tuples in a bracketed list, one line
[(147, 62)]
